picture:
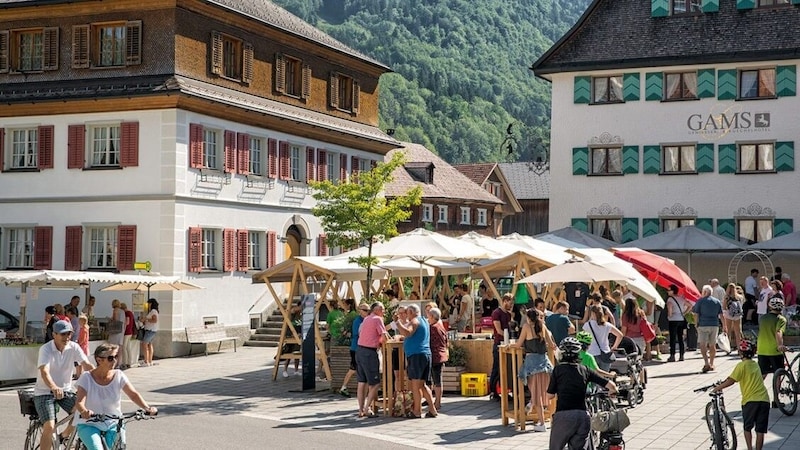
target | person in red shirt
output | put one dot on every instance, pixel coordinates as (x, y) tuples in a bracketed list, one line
[(789, 290), (501, 317)]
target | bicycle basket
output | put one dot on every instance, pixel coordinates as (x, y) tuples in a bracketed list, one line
[(26, 405), (616, 420)]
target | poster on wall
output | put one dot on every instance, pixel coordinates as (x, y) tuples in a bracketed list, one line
[(137, 300)]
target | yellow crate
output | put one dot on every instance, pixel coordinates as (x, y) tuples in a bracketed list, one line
[(474, 385)]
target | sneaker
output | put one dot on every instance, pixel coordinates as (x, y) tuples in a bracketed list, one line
[(297, 373), (671, 358), (285, 374), (681, 358), (706, 368), (539, 427), (344, 392)]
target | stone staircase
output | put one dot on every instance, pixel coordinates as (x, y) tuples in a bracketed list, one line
[(269, 333)]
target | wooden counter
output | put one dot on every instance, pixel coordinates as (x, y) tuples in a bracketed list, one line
[(479, 354)]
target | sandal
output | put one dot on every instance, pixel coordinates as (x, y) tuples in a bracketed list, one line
[(431, 415), (371, 414), (411, 415)]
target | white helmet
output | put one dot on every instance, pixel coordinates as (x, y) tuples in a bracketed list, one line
[(775, 303)]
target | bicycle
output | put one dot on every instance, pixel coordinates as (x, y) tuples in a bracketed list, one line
[(610, 437), (119, 440), (720, 425), (784, 383), (33, 436)]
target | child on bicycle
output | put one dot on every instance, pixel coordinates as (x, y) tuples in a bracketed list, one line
[(755, 398)]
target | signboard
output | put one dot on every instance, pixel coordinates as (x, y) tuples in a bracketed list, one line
[(309, 346), (137, 302), (146, 266)]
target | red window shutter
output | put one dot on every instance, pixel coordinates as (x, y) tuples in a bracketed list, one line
[(322, 245), (195, 249), (195, 146), (342, 168), (354, 168), (243, 151), (322, 165), (272, 157), (272, 242), (2, 140), (129, 145), (43, 248), (76, 147), (285, 166), (73, 248), (242, 251), (230, 152), (228, 249), (311, 154), (126, 244), (45, 147)]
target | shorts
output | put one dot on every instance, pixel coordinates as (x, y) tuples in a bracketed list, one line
[(707, 335), (769, 363), (755, 414), (419, 366), (353, 364), (436, 374), (149, 335), (46, 405), (368, 368)]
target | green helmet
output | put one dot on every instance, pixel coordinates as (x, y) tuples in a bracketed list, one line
[(584, 337)]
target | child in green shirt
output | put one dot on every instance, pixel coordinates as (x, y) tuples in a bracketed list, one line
[(755, 398), (585, 338)]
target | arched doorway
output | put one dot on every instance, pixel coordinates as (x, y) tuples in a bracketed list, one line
[(294, 242)]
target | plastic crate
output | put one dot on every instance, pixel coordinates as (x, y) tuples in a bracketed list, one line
[(474, 385)]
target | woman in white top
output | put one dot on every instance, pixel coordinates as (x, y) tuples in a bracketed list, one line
[(600, 328), (99, 392), (677, 306), (150, 330)]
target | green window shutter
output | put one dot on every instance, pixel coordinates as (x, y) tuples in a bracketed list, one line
[(580, 160), (653, 86), (781, 227), (630, 229), (630, 87), (796, 2), (650, 227), (706, 83), (727, 158), (710, 6), (726, 84), (659, 8), (583, 89), (580, 224), (705, 224), (630, 159), (705, 158), (726, 228), (745, 4), (786, 81), (651, 159), (784, 156)]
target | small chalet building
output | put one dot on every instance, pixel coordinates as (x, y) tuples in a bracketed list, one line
[(490, 177), (668, 113), (452, 204), (531, 188), (183, 134)]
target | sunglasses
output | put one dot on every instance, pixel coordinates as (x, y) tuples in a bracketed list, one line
[(109, 358)]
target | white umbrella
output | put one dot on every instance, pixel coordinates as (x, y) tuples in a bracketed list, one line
[(151, 283), (575, 270)]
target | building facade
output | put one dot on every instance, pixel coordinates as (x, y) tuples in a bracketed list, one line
[(492, 179), (531, 187), (668, 113), (181, 133)]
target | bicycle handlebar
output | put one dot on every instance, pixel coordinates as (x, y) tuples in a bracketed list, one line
[(792, 349), (706, 388), (138, 415)]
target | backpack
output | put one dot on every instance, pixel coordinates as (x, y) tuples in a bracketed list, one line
[(734, 308)]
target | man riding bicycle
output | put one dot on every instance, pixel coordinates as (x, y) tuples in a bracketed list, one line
[(56, 364)]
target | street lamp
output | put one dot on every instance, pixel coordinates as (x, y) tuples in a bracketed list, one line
[(539, 165)]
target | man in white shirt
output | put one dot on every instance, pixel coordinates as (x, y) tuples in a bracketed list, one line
[(751, 290), (56, 364), (764, 295), (718, 292)]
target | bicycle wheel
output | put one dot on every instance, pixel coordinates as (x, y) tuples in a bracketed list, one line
[(728, 433), (33, 437), (784, 390), (710, 418)]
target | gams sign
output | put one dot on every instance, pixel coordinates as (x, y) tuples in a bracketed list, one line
[(728, 121)]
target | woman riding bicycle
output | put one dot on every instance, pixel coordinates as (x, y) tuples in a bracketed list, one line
[(99, 392)]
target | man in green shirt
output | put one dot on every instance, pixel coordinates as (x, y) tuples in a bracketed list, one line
[(334, 326), (771, 327)]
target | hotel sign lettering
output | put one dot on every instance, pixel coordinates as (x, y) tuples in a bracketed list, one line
[(719, 124)]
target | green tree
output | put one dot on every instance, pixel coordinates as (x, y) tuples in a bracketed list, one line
[(357, 212)]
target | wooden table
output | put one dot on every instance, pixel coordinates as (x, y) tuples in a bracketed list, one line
[(512, 359), (479, 354), (388, 381)]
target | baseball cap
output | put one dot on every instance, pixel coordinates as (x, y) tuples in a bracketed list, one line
[(62, 326)]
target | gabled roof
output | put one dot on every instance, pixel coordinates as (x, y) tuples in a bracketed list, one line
[(478, 173), (618, 34), (525, 183), (448, 183)]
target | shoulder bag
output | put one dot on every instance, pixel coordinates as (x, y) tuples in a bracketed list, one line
[(647, 329), (115, 326), (604, 357)]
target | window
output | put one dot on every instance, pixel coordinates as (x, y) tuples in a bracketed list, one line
[(686, 7), (333, 166), (680, 86), (29, 45), (763, 3), (757, 83), (257, 153), (465, 215), (679, 158), (255, 246), (109, 44), (607, 89), (757, 157), (606, 161), (102, 247), (754, 230), (427, 212), (104, 145), (211, 147), (292, 77), (442, 214), (29, 50), (364, 165), (20, 245), (24, 145), (610, 229), (344, 93), (208, 249), (481, 221), (296, 163), (231, 58), (671, 224)]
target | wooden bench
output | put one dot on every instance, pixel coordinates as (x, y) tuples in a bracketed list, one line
[(206, 335)]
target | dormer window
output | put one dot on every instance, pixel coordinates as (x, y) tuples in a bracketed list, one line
[(420, 171)]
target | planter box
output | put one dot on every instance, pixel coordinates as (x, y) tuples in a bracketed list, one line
[(451, 378), (339, 358)]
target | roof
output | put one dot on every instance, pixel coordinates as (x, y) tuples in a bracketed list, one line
[(525, 183), (263, 11), (448, 183), (476, 172), (629, 37)]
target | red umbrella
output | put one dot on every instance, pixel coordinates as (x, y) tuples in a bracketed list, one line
[(660, 270)]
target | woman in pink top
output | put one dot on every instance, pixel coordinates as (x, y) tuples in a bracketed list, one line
[(631, 326), (370, 337)]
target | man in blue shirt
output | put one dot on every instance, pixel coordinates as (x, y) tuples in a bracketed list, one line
[(558, 323), (708, 315), (363, 311)]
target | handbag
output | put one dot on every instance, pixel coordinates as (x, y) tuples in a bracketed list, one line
[(403, 403), (604, 357), (647, 329), (114, 326), (615, 420), (724, 343)]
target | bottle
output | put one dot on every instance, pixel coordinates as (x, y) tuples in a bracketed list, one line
[(505, 336)]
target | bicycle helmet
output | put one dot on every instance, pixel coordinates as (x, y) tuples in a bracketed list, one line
[(584, 337), (746, 348), (570, 346), (776, 303)]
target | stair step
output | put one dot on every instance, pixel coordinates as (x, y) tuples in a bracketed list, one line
[(269, 331), (260, 344), (265, 337)]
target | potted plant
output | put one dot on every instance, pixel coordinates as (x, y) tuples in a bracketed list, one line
[(453, 368), (339, 354)]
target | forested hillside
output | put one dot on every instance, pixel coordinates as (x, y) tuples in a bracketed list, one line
[(462, 67)]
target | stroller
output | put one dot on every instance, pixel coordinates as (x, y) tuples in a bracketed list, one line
[(631, 377)]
